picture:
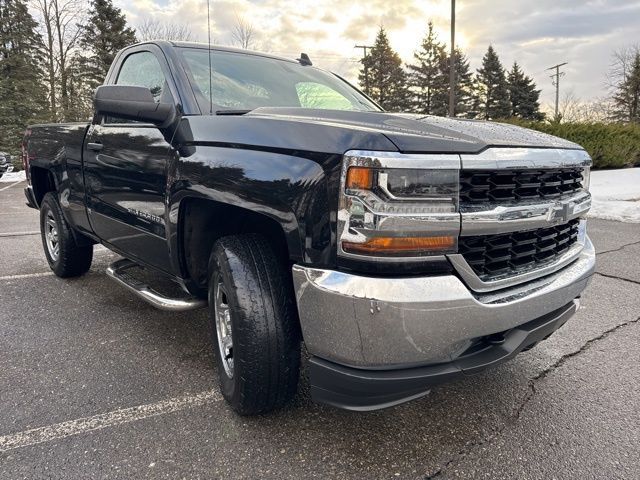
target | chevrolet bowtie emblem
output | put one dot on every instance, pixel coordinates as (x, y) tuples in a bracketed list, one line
[(560, 211)]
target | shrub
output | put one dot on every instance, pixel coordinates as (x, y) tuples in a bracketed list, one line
[(16, 161), (611, 145)]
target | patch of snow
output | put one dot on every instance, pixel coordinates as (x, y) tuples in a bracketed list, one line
[(13, 177), (616, 195)]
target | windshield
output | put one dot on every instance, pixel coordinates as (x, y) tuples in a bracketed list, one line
[(244, 82)]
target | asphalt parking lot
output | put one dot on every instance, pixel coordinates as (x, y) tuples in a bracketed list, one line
[(94, 383)]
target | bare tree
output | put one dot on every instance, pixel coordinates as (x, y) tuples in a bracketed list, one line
[(60, 22), (573, 110), (599, 110), (151, 29), (621, 64), (623, 81), (243, 33), (569, 107)]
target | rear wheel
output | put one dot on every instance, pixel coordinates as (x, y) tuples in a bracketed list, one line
[(254, 325), (64, 256)]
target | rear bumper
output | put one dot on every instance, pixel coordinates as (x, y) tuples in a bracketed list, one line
[(360, 389)]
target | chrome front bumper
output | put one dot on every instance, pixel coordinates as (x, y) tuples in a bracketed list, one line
[(387, 323)]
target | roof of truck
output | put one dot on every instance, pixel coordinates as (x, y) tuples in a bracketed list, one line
[(221, 48)]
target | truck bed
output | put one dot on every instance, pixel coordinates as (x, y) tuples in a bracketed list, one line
[(47, 142)]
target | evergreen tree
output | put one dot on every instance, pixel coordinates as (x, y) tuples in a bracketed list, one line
[(22, 97), (523, 95), (105, 33), (626, 98), (463, 86), (475, 107), (492, 92), (382, 76), (428, 79)]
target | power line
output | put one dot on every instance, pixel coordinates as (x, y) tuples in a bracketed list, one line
[(555, 79), (366, 70)]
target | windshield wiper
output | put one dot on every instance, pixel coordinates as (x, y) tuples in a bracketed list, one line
[(231, 112)]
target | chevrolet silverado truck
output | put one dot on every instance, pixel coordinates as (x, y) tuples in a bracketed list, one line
[(401, 250)]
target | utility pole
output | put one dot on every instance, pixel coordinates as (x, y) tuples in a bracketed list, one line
[(452, 63), (366, 70), (555, 79)]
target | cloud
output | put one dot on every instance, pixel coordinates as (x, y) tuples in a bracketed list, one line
[(536, 34), (329, 17), (541, 34)]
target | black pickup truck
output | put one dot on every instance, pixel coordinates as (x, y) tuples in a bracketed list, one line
[(402, 250)]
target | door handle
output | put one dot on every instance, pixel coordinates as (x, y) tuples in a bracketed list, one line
[(96, 147)]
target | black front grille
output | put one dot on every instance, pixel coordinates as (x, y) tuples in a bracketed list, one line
[(480, 186), (493, 256)]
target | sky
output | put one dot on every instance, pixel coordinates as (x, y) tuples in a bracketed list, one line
[(536, 33)]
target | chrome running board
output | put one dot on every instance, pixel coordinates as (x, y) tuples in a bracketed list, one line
[(119, 271)]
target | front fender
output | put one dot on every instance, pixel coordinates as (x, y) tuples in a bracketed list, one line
[(289, 189)]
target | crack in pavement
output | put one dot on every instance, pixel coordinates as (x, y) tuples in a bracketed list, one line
[(618, 249), (618, 278), (527, 398)]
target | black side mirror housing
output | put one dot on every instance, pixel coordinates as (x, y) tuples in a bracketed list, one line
[(133, 103)]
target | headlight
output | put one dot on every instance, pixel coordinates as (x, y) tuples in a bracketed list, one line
[(396, 206)]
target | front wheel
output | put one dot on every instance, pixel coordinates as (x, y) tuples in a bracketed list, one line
[(254, 325), (65, 257)]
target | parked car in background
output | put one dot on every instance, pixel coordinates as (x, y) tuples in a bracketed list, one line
[(5, 163), (403, 250)]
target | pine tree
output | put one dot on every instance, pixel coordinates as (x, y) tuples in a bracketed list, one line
[(428, 80), (626, 98), (492, 94), (382, 76), (22, 98), (523, 95), (102, 37), (463, 85)]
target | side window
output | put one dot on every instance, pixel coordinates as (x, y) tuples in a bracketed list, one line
[(317, 95), (142, 69)]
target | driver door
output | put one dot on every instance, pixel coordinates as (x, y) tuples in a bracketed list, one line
[(125, 167)]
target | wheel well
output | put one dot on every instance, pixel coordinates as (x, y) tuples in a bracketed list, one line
[(42, 182), (202, 222)]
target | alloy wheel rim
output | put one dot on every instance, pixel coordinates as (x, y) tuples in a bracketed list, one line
[(51, 236), (223, 327)]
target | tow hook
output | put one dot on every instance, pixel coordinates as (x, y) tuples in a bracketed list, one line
[(496, 338)]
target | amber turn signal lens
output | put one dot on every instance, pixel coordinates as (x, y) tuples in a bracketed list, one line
[(400, 245), (359, 178)]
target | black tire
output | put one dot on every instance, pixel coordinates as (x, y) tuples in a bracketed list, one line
[(71, 260), (263, 317)]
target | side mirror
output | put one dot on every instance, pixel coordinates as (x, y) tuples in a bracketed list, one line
[(133, 103)]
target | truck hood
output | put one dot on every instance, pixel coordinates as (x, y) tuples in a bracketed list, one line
[(412, 133)]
